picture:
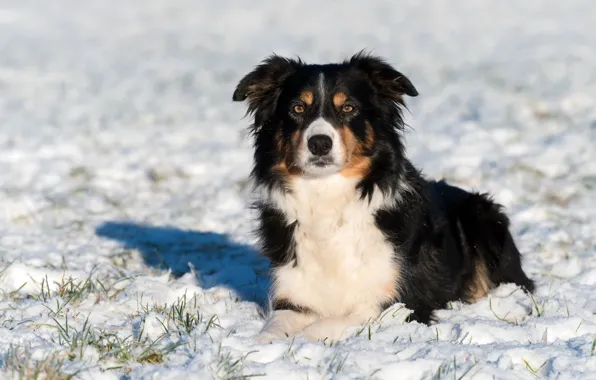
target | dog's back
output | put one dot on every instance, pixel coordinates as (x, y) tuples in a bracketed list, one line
[(482, 230)]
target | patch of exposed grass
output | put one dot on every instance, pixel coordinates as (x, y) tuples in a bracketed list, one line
[(13, 295), (184, 314), (538, 309), (180, 319), (110, 346), (122, 259), (534, 371), (73, 290), (504, 318), (230, 366), (337, 363), (448, 370), (18, 363), (77, 339)]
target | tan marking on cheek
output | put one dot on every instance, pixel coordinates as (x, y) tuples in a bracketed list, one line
[(287, 172), (285, 167), (357, 164), (359, 167), (282, 152), (339, 99), (307, 97), (349, 142), (297, 139), (480, 284)]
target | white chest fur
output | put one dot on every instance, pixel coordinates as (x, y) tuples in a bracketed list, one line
[(343, 262)]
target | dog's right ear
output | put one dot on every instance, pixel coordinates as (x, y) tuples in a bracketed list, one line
[(262, 86)]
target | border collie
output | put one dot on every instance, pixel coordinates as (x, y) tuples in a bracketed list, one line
[(349, 224)]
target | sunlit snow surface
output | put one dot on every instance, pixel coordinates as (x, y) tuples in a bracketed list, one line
[(123, 156)]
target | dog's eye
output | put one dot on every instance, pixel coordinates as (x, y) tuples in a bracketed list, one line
[(347, 108), (298, 108)]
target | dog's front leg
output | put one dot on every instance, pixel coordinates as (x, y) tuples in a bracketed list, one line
[(285, 323)]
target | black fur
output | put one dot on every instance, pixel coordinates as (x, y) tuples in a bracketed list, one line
[(284, 304), (275, 234), (440, 232), (443, 230)]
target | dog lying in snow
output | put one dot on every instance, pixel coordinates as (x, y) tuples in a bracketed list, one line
[(349, 224)]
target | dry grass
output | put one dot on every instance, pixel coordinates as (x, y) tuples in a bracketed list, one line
[(18, 363)]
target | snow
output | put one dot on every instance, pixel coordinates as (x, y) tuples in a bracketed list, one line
[(124, 200)]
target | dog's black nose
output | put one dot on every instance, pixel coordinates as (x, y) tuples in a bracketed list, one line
[(320, 145)]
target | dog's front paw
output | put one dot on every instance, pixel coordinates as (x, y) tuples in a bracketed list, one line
[(266, 337), (327, 330), (283, 324), (271, 332)]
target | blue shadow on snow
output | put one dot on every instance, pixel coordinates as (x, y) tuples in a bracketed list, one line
[(217, 260)]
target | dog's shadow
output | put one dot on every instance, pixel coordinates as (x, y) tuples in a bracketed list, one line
[(216, 259)]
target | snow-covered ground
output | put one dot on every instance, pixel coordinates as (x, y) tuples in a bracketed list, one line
[(125, 244)]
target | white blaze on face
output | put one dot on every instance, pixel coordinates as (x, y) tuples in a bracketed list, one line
[(320, 165), (321, 90), (333, 159)]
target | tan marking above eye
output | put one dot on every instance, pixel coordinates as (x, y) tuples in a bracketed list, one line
[(307, 97), (347, 108), (298, 108), (339, 99)]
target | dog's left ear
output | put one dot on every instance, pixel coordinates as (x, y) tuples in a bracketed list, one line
[(388, 81)]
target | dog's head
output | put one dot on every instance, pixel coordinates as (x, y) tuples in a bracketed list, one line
[(318, 120)]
